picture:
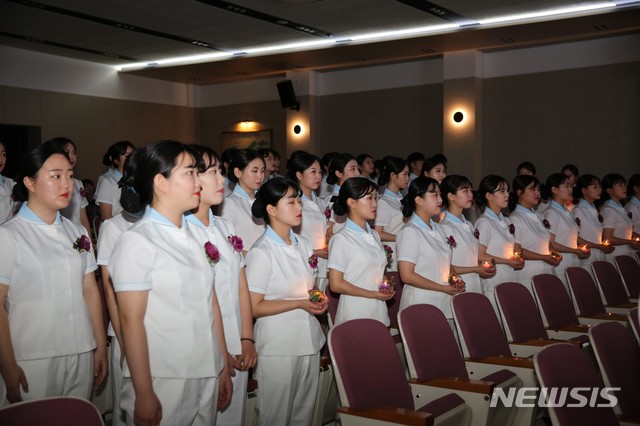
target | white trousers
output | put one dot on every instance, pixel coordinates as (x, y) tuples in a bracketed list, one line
[(69, 375), (287, 387), (233, 415), (184, 401)]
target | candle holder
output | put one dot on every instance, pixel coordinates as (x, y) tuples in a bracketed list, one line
[(517, 255), (387, 285), (316, 295), (606, 243), (456, 282), (585, 248)]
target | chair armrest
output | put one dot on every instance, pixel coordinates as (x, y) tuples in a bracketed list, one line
[(609, 316), (546, 342), (386, 414), (577, 328), (506, 361), (457, 383)]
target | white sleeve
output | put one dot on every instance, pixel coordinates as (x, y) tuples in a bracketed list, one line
[(338, 253), (609, 219), (7, 257), (483, 228), (104, 191), (408, 245), (519, 229), (106, 240), (131, 263), (383, 218), (553, 218), (258, 270)]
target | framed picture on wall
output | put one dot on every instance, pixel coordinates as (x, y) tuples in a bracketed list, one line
[(252, 140)]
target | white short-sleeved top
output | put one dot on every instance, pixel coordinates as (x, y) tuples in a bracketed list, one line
[(337, 220), (171, 264), (616, 217), (531, 232), (427, 248), (108, 192), (633, 207), (389, 216), (236, 208), (314, 227), (48, 315), (228, 268), (281, 271), (77, 202), (359, 255), (325, 189), (493, 232), (465, 253), (7, 204), (586, 216), (562, 225)]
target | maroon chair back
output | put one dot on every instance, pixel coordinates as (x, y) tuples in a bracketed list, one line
[(566, 366), (610, 283), (554, 301), (393, 305), (368, 363), (618, 356), (630, 272), (520, 313), (585, 291), (57, 411), (333, 299), (478, 325), (635, 323), (424, 327)]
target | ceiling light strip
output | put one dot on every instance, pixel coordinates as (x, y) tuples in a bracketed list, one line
[(547, 13), (114, 24), (67, 46), (245, 11)]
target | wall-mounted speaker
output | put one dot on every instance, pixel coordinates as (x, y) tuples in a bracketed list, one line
[(288, 95)]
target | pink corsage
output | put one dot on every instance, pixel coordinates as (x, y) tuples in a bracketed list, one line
[(546, 223), (476, 234), (236, 243), (327, 213), (630, 215), (83, 193), (578, 221), (313, 262), (512, 229), (213, 255), (388, 251), (82, 244), (452, 242)]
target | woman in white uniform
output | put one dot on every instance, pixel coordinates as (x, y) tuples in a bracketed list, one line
[(343, 167), (531, 231), (288, 335), (356, 257), (110, 231), (305, 169), (366, 167), (457, 195), (562, 227), (231, 283), (424, 253), (7, 204), (617, 225), (107, 195), (435, 167), (585, 214), (52, 338), (389, 220), (246, 170), (76, 211), (633, 205), (496, 235), (173, 338)]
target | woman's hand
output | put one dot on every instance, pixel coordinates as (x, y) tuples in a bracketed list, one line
[(147, 410), (606, 248), (551, 259), (248, 358), (225, 389), (582, 254), (14, 378), (486, 272), (100, 365), (451, 290), (314, 308), (516, 264), (322, 253), (383, 295)]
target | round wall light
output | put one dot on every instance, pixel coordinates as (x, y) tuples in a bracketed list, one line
[(297, 129), (458, 117)]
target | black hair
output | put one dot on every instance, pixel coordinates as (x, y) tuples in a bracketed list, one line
[(553, 181), (520, 183), (433, 161), (417, 188), (572, 168), (299, 163), (609, 181), (390, 165), (354, 188), (30, 165), (62, 142), (269, 194), (206, 157), (275, 153), (115, 151), (226, 157), (293, 155), (240, 161), (451, 185), (526, 165), (142, 166), (338, 164), (415, 156), (87, 181), (581, 183), (361, 157), (489, 184), (634, 180), (326, 160), (265, 152)]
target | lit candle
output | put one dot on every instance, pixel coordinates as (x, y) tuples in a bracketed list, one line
[(316, 295), (606, 242), (636, 239), (384, 286), (487, 265), (585, 248)]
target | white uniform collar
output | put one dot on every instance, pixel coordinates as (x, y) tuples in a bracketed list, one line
[(351, 225), (274, 237), (28, 214), (157, 217), (241, 192), (421, 223), (392, 194)]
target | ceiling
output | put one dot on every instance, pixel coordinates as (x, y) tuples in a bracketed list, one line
[(121, 32)]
